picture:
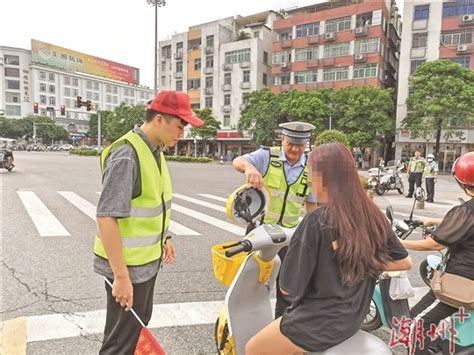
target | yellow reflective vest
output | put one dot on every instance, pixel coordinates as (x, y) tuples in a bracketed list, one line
[(286, 200), (144, 230)]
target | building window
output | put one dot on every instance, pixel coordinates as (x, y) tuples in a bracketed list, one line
[(306, 77), (281, 57), (67, 91), (226, 99), (96, 86), (43, 99), (194, 84), (13, 84), (256, 34), (415, 64), (458, 8), (422, 12), (284, 35), (75, 82), (163, 80), (227, 79), (226, 122), (208, 101), (246, 76), (369, 45), (75, 92), (52, 100), (365, 71), (210, 41), (11, 59), (285, 79), (42, 87), (115, 90), (88, 95), (336, 50), (457, 37), (419, 40), (179, 66), (12, 72), (42, 75), (265, 79), (163, 66), (209, 81), (67, 80), (265, 57), (238, 56), (12, 110), (89, 84), (51, 76), (308, 29), (68, 103), (333, 74), (197, 64), (12, 97), (338, 24), (179, 47), (304, 54), (210, 61), (51, 89), (464, 61)]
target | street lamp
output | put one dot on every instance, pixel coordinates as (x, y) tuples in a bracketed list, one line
[(156, 4)]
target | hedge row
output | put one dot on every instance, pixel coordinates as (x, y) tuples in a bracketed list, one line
[(188, 159), (83, 152)]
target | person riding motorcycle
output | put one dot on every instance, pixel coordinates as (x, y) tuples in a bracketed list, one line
[(456, 232)]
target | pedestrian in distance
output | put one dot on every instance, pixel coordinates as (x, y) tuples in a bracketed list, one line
[(283, 170), (415, 169), (133, 216), (430, 174)]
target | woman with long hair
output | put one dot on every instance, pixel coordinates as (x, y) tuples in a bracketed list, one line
[(333, 261)]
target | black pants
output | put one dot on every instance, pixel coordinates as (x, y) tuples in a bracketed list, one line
[(430, 189), (282, 301), (414, 178), (431, 311), (121, 328)]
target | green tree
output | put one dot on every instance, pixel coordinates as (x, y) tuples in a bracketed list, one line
[(10, 128), (442, 93), (93, 120), (46, 129), (122, 120), (261, 116), (365, 114), (209, 130), (331, 136)]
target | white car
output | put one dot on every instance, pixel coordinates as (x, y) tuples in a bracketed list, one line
[(67, 147)]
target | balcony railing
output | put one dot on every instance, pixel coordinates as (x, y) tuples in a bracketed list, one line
[(245, 64), (178, 55), (227, 67), (178, 75), (227, 87), (287, 43), (245, 85), (226, 108), (208, 70)]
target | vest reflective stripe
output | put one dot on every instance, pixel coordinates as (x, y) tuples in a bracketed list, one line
[(143, 231), (286, 200)]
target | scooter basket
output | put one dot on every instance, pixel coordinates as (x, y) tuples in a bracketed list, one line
[(225, 268)]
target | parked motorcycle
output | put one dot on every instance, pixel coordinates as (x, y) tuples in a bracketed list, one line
[(6, 160)]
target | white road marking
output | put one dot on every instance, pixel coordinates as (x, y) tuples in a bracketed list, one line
[(179, 229), (69, 325), (43, 219), (214, 197), (83, 205), (199, 202), (228, 227)]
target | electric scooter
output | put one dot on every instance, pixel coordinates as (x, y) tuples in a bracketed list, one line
[(249, 268)]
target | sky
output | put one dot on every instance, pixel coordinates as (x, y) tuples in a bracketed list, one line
[(117, 30)]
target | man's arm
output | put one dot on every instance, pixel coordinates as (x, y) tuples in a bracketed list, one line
[(399, 265), (422, 245), (309, 206), (110, 235), (252, 175)]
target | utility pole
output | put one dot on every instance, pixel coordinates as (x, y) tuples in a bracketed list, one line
[(99, 132), (156, 4)]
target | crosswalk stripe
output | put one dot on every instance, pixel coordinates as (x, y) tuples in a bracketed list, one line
[(228, 227), (83, 205), (43, 219), (213, 197), (199, 202), (179, 229)]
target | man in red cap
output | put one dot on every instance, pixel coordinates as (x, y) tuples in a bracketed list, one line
[(133, 216)]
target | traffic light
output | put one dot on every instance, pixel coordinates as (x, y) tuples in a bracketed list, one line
[(62, 108), (78, 101), (35, 107), (90, 105)]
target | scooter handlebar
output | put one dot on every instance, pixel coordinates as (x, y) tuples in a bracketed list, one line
[(245, 245)]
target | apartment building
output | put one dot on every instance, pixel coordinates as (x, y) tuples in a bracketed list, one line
[(51, 78), (217, 64), (336, 44), (435, 30)]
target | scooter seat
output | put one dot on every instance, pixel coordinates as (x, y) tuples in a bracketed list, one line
[(360, 343)]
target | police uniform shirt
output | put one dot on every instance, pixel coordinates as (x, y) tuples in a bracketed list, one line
[(261, 158)]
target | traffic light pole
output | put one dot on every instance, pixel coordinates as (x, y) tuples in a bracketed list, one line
[(99, 132)]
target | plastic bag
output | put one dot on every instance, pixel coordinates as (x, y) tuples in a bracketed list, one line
[(400, 287)]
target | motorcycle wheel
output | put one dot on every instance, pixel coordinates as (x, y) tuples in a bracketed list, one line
[(379, 190), (425, 273), (401, 190), (372, 320)]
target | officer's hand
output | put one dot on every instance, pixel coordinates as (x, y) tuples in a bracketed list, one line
[(122, 290), (170, 252), (253, 176)]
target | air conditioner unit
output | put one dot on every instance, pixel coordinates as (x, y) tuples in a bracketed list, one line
[(284, 65), (330, 36), (467, 18), (359, 30), (462, 48), (359, 56)]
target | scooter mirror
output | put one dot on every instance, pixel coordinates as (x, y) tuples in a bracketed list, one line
[(389, 213)]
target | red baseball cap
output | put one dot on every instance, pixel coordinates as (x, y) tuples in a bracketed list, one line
[(175, 103)]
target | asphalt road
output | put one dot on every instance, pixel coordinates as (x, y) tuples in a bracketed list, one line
[(52, 275)]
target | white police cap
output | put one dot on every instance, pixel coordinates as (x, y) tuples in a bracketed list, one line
[(297, 132)]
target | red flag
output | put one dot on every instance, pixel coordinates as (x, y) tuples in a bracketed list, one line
[(147, 344)]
